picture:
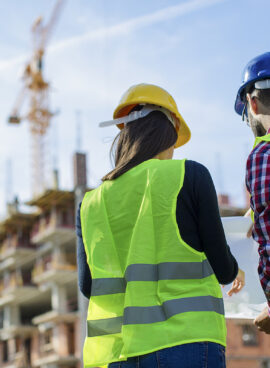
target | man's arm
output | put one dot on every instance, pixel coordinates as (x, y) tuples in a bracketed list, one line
[(258, 185)]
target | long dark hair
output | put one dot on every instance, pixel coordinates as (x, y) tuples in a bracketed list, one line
[(141, 140)]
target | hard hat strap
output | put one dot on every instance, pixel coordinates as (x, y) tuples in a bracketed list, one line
[(134, 115)]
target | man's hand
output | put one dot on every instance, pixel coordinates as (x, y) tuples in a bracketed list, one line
[(238, 283), (262, 321)]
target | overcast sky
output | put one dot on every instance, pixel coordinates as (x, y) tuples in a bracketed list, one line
[(196, 49)]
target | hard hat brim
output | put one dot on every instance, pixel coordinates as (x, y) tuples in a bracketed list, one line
[(239, 105)]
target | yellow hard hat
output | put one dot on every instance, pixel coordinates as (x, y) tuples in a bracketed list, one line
[(151, 94)]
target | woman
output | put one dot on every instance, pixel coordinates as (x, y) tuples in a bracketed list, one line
[(152, 249)]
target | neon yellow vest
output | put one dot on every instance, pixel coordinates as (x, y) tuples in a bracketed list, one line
[(264, 138), (150, 290)]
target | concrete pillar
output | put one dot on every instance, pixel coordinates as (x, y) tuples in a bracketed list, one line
[(55, 340), (11, 316), (78, 347), (1, 353), (62, 338), (59, 255), (54, 219), (5, 278), (11, 348), (59, 298), (35, 347)]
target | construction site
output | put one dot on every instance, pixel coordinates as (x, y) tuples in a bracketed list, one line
[(39, 308), (40, 317), (42, 311)]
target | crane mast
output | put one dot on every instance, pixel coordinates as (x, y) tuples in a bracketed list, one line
[(36, 90)]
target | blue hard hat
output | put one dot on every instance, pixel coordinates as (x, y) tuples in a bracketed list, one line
[(257, 69)]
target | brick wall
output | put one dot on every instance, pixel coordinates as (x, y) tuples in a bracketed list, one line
[(246, 346)]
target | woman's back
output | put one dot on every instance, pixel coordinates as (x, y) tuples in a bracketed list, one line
[(164, 292)]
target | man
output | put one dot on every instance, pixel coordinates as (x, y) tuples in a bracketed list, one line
[(253, 103)]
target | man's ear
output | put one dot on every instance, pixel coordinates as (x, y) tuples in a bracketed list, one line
[(252, 103)]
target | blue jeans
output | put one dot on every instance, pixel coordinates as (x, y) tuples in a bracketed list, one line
[(194, 355)]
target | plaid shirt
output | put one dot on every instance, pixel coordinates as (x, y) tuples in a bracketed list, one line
[(258, 185)]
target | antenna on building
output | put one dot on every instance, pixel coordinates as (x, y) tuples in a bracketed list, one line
[(9, 181), (78, 115), (54, 157), (55, 146)]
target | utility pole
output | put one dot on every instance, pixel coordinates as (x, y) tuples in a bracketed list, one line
[(9, 181), (78, 131), (80, 184)]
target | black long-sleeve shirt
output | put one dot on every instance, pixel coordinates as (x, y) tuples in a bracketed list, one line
[(199, 224)]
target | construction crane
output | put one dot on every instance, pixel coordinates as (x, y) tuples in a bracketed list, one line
[(36, 90)]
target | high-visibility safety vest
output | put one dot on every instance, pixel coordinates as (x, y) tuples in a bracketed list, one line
[(264, 138), (150, 290)]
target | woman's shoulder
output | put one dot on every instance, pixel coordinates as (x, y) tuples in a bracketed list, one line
[(196, 168), (197, 176)]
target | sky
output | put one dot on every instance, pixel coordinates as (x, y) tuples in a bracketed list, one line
[(195, 49)]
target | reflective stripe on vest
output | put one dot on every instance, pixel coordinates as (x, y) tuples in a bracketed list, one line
[(152, 272), (159, 313)]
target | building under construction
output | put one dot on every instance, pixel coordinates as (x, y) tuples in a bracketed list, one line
[(40, 322), (39, 319), (38, 293)]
